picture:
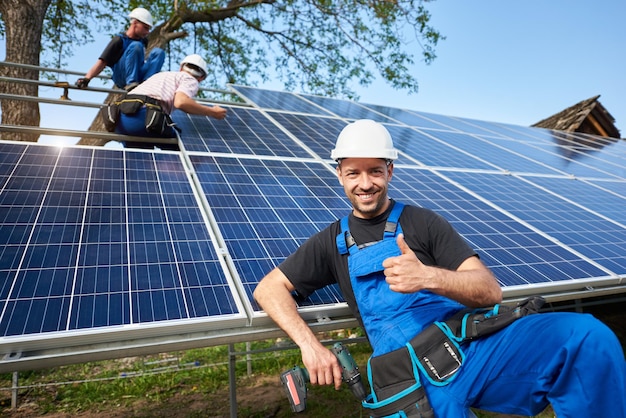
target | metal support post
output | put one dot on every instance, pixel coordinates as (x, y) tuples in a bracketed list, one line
[(232, 380), (14, 390), (249, 358)]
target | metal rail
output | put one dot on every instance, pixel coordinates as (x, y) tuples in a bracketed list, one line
[(101, 76), (61, 84), (52, 70), (65, 102), (91, 134)]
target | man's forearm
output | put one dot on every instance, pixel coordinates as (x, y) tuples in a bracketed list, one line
[(472, 288), (276, 300), (96, 69), (273, 293)]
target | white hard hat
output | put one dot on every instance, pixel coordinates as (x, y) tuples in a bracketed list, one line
[(364, 139), (141, 15), (196, 60)]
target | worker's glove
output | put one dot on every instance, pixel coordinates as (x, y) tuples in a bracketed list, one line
[(82, 82)]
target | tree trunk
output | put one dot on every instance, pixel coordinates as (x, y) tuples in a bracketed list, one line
[(23, 21), (97, 125)]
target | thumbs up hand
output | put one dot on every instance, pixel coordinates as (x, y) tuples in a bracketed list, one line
[(405, 273)]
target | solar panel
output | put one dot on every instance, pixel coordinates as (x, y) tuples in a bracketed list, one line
[(607, 199), (598, 239), (456, 124), (428, 149), (96, 238), (244, 131), (266, 208), (497, 154), (346, 109), (161, 244), (276, 100), (565, 159), (406, 117), (316, 133)]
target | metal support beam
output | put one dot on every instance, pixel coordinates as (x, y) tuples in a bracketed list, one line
[(89, 134), (14, 383), (232, 380)]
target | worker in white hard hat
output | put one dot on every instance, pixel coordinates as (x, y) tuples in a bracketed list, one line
[(430, 308), (125, 54), (146, 110)]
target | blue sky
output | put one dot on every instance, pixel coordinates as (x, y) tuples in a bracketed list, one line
[(503, 61), (521, 61)]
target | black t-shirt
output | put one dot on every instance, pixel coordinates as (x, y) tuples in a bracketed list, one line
[(115, 49), (317, 262)]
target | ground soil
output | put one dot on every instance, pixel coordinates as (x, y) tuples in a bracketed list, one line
[(263, 393)]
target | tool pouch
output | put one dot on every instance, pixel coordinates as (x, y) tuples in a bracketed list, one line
[(110, 114), (130, 106), (156, 120), (396, 388), (437, 354), (468, 325)]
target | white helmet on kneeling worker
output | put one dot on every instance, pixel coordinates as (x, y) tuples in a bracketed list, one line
[(195, 65), (364, 138)]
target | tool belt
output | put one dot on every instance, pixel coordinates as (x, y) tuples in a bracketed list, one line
[(156, 121), (436, 352)]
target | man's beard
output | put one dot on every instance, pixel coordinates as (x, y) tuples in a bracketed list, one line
[(370, 209)]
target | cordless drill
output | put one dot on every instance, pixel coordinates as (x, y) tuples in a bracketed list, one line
[(294, 380)]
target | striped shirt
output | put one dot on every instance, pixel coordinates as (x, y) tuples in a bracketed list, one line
[(163, 86)]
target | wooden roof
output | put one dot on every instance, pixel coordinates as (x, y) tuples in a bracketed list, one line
[(588, 116)]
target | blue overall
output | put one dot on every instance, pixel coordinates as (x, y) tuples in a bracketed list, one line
[(135, 125), (390, 318), (572, 361), (132, 67)]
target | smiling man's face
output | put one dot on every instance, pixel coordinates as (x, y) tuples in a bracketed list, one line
[(365, 182)]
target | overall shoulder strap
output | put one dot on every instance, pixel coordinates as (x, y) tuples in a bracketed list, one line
[(392, 226), (345, 242), (125, 40)]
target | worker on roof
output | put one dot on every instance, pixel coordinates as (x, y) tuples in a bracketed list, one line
[(146, 110), (441, 340), (125, 54)]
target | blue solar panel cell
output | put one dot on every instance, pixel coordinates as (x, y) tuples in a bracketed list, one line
[(277, 100), (596, 238), (426, 148), (8, 160), (346, 109), (244, 131)]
